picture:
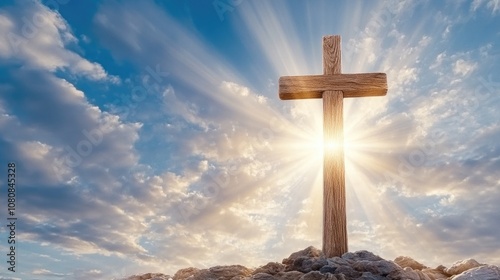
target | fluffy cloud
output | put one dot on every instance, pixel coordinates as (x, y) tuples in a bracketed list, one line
[(222, 184), (408, 161), (231, 167), (71, 152), (37, 36), (463, 67)]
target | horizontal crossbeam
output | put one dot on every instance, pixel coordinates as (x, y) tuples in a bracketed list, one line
[(313, 86)]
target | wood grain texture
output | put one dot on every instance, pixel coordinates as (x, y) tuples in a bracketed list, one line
[(333, 86), (334, 200), (313, 86), (334, 206), (332, 58)]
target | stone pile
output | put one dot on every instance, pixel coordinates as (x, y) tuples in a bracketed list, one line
[(309, 264)]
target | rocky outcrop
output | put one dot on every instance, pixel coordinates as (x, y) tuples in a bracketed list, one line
[(481, 272), (461, 266), (231, 272), (409, 262), (310, 264), (150, 276)]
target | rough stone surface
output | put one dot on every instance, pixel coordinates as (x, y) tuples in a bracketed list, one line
[(150, 276), (360, 256), (381, 267), (289, 275), (296, 260), (262, 276), (461, 266), (270, 268), (409, 262), (316, 275), (370, 276), (231, 272), (485, 272), (310, 264), (185, 273), (435, 273)]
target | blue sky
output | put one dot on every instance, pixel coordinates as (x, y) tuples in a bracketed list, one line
[(149, 135)]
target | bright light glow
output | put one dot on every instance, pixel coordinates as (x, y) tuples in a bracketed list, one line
[(210, 158), (332, 146)]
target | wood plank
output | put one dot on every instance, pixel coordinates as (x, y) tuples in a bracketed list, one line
[(334, 200), (334, 205), (313, 86)]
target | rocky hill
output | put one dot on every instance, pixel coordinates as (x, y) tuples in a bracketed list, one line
[(309, 264)]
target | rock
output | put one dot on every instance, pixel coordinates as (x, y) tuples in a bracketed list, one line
[(289, 275), (318, 263), (311, 264), (361, 256), (381, 267), (263, 276), (461, 266), (336, 261), (348, 271), (328, 269), (185, 273), (442, 269), (417, 273), (307, 252), (403, 274), (316, 275), (270, 268), (239, 277), (484, 272), (150, 276), (370, 276), (295, 261), (302, 264), (306, 264), (231, 272), (408, 274), (434, 274), (409, 262), (227, 272)]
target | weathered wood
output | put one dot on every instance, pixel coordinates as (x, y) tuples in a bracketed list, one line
[(333, 86), (313, 86), (334, 200), (334, 206)]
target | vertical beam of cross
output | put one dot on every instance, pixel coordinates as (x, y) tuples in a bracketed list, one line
[(334, 202), (333, 87)]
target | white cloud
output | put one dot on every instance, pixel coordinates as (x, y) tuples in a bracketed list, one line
[(439, 60), (463, 67), (243, 181), (181, 108), (48, 273), (37, 36), (494, 5), (71, 148), (406, 76)]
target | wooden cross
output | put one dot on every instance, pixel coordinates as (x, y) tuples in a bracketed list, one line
[(333, 86)]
